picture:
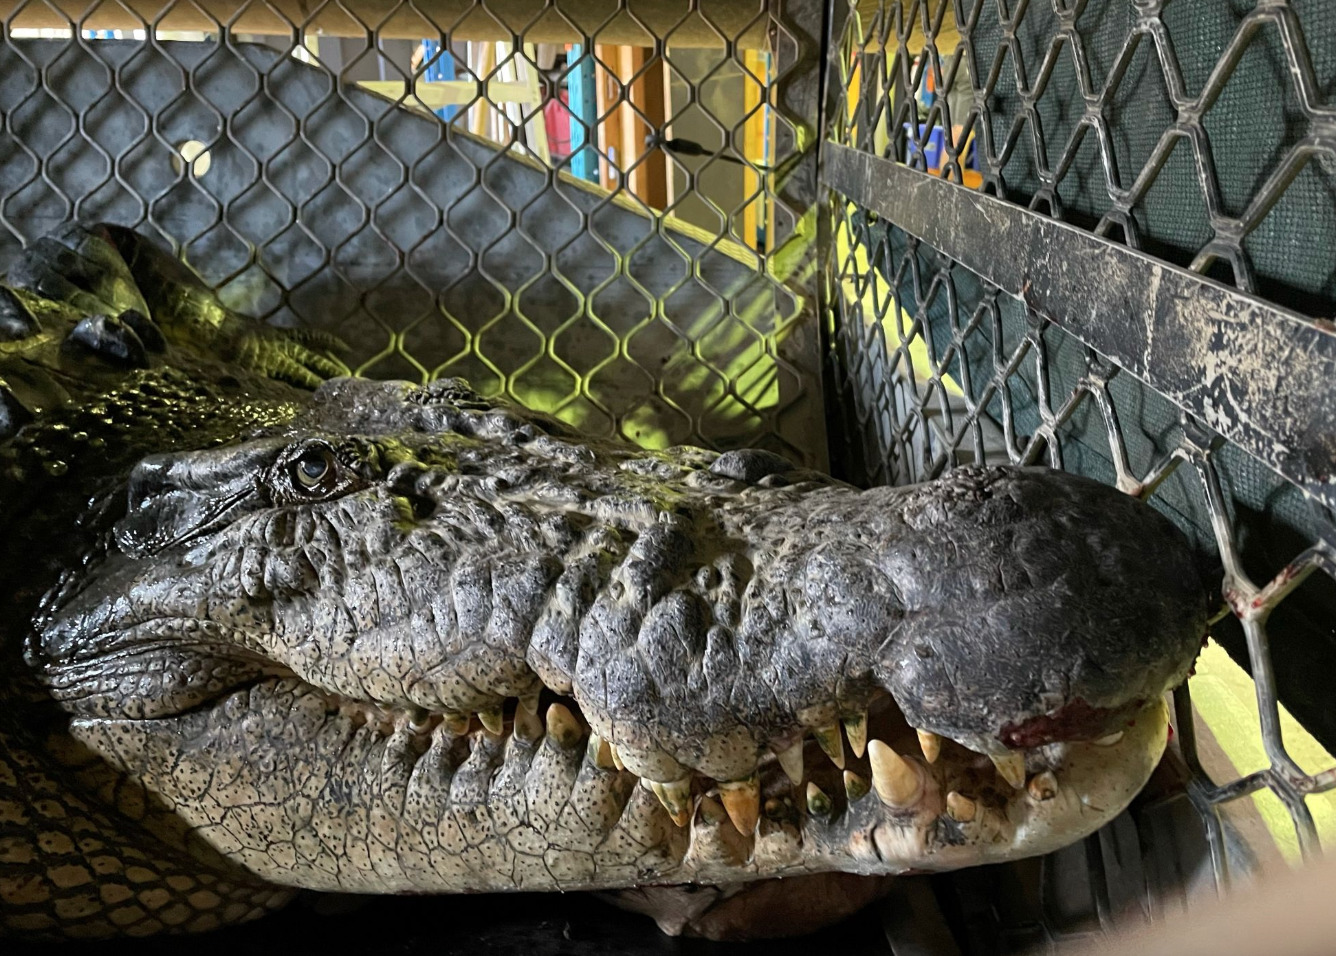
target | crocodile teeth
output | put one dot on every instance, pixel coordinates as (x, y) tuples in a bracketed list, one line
[(675, 796), (616, 758), (855, 787), (562, 725), (457, 724), (1011, 768), (818, 804), (930, 744), (1043, 786), (791, 760), (893, 777), (599, 752), (711, 810), (529, 701), (960, 807), (527, 725), (418, 720), (493, 721), (1110, 740), (831, 743), (855, 728), (742, 800)]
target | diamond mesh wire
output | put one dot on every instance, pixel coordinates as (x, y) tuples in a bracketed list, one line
[(1202, 133), (592, 208)]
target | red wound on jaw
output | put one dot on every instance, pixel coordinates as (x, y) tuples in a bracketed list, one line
[(1074, 721)]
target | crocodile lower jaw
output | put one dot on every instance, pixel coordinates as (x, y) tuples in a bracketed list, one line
[(530, 799), (942, 804)]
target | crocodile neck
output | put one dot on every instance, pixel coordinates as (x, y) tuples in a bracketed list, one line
[(84, 850)]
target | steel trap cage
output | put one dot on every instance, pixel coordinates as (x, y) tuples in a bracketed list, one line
[(886, 238), (1129, 277)]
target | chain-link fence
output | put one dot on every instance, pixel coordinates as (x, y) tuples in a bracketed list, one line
[(595, 208), (1136, 284)]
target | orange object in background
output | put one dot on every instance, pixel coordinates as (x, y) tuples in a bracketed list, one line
[(631, 105), (973, 179)]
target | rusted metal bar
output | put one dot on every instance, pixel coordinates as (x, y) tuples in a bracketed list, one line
[(1256, 372)]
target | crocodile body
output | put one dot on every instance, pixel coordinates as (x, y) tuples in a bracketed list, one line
[(269, 633)]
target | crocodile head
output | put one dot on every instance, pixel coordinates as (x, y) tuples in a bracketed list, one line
[(417, 641)]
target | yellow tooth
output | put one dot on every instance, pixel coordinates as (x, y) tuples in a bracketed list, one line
[(791, 760), (457, 724), (616, 758), (831, 742), (855, 787), (742, 800), (712, 811), (895, 779), (1043, 786), (529, 701), (930, 744), (1011, 768), (527, 725), (562, 726), (818, 804), (1110, 740), (493, 721), (417, 720), (855, 728), (960, 807), (599, 752), (676, 798)]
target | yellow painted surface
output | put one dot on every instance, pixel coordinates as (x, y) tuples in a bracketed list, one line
[(753, 139), (874, 298), (1226, 701)]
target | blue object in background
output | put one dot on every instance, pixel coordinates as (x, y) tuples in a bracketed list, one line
[(584, 113), (438, 69), (934, 148)]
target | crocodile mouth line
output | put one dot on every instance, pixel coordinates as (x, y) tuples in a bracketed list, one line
[(822, 773)]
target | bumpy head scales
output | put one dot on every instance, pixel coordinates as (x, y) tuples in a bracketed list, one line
[(416, 640)]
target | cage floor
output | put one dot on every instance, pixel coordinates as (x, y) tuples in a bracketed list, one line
[(522, 924)]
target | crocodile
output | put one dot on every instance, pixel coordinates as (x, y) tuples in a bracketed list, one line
[(273, 628)]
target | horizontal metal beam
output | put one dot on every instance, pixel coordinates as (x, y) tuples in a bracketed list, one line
[(1262, 376), (435, 94), (538, 21)]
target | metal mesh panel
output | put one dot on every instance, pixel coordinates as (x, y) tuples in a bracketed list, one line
[(1199, 132), (593, 208)]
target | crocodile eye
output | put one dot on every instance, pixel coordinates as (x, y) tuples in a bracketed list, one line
[(314, 470)]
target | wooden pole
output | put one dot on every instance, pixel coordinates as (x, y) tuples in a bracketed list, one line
[(608, 89), (649, 179)]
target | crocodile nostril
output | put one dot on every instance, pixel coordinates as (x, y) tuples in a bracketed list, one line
[(150, 478), (412, 481), (402, 479)]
